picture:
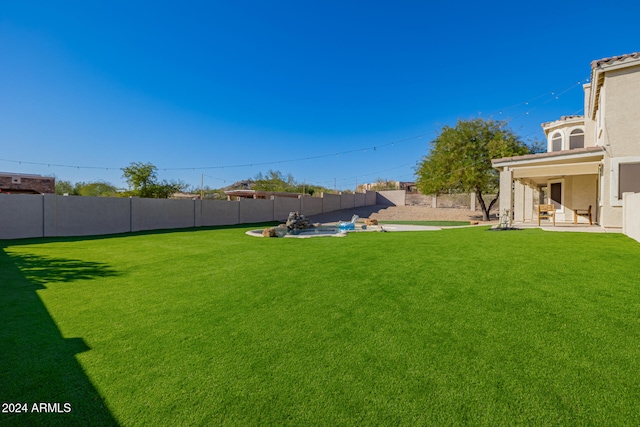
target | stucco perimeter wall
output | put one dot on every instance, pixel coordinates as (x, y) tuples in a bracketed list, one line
[(157, 214), (283, 205), (370, 198), (26, 215), (21, 216), (391, 197), (85, 216), (631, 215), (331, 202), (311, 206), (219, 212), (256, 210), (347, 201)]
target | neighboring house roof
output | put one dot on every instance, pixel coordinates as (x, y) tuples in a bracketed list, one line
[(256, 194), (25, 175), (186, 196), (23, 183)]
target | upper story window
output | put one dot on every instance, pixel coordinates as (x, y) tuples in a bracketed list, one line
[(556, 142), (576, 139)]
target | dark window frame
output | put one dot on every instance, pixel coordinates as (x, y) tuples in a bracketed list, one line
[(575, 136), (628, 178), (556, 138)]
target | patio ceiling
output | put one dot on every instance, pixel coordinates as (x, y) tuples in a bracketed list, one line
[(578, 155), (539, 168), (547, 171)]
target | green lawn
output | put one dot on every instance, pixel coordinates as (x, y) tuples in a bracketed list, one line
[(209, 327)]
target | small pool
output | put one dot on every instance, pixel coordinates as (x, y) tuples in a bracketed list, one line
[(334, 230), (323, 230)]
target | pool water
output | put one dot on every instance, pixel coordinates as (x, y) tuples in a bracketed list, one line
[(323, 230)]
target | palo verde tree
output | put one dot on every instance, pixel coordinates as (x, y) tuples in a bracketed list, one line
[(140, 177), (459, 159), (143, 180)]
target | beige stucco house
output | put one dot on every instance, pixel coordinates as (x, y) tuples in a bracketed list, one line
[(591, 160)]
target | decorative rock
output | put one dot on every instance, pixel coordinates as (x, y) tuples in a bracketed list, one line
[(270, 232), (295, 221)]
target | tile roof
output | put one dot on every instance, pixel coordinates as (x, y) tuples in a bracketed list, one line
[(607, 61), (562, 119)]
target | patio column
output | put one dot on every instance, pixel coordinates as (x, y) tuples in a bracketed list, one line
[(506, 191)]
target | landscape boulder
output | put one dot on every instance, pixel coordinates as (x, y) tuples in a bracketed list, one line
[(295, 221), (269, 232)]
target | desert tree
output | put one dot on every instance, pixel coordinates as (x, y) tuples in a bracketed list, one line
[(459, 159), (143, 181)]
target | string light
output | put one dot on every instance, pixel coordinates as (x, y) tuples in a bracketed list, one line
[(553, 95), (550, 96), (220, 166)]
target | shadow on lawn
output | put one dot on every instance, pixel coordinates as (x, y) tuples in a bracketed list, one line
[(38, 365), (42, 270)]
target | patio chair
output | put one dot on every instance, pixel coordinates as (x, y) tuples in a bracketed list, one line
[(547, 211), (582, 212)]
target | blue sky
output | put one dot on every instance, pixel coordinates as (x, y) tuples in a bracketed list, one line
[(231, 89)]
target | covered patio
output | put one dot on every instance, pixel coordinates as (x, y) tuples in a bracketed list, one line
[(569, 180)]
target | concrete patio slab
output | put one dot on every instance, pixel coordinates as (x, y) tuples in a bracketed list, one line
[(569, 227)]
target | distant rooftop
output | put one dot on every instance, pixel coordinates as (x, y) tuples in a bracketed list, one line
[(23, 175), (257, 194), (23, 183)]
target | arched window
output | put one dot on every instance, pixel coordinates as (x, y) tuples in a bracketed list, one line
[(576, 139), (556, 142)]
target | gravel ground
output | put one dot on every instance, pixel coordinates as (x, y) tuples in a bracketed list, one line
[(400, 213)]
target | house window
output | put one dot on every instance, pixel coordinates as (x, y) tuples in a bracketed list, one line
[(576, 139), (628, 178), (556, 142)]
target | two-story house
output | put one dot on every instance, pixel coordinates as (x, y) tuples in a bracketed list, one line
[(591, 160)]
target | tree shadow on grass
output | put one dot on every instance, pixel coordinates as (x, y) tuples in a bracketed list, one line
[(37, 364), (42, 270)]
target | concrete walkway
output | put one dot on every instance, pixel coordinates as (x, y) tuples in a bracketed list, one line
[(568, 227), (367, 211)]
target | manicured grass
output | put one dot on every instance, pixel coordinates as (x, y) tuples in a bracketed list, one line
[(208, 327), (432, 223)]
